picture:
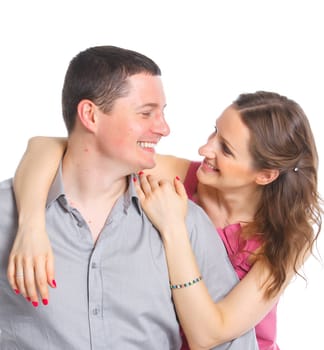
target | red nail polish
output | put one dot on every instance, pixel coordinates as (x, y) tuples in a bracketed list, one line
[(28, 299), (45, 301), (35, 303), (140, 173), (17, 291), (177, 177), (54, 283), (134, 179)]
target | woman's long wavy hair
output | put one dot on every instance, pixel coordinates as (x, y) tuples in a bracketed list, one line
[(289, 213)]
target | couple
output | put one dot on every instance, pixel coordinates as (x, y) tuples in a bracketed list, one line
[(112, 268)]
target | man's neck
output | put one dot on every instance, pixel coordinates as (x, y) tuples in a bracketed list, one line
[(92, 187)]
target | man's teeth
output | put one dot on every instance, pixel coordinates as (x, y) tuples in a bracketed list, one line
[(146, 144)]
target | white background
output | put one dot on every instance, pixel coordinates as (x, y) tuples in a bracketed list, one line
[(209, 52)]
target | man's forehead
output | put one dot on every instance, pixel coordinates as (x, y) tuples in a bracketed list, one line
[(149, 88)]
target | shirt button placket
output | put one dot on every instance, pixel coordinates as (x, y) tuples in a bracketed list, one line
[(95, 300)]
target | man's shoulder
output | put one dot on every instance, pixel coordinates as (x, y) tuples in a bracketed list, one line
[(7, 198), (195, 210), (6, 187), (6, 184), (201, 228), (198, 220), (8, 218)]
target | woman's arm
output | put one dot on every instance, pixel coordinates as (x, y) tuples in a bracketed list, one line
[(168, 167), (212, 323), (31, 252)]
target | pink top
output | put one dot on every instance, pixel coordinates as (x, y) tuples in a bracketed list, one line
[(239, 251)]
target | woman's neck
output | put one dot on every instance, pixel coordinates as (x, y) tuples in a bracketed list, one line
[(227, 208)]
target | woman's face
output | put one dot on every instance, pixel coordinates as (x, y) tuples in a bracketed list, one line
[(227, 163)]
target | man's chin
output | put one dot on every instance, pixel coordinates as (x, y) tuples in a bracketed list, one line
[(148, 165)]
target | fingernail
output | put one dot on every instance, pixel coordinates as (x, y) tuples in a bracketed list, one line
[(54, 283), (28, 299), (45, 301), (134, 179), (35, 303), (141, 173), (17, 291), (177, 177)]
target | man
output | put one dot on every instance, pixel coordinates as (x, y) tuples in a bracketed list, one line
[(113, 279)]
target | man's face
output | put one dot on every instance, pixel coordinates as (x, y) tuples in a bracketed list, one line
[(129, 133)]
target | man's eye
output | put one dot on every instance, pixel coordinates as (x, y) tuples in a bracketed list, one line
[(147, 113)]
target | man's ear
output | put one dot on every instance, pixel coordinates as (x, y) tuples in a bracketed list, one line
[(87, 114), (266, 176)]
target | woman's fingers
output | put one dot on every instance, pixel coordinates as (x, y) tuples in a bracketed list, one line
[(29, 280), (31, 267), (148, 183), (145, 186), (11, 274), (50, 272), (180, 188), (22, 278), (40, 282)]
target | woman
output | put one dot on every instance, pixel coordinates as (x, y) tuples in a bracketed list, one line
[(257, 183)]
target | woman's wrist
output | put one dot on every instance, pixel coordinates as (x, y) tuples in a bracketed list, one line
[(174, 234), (32, 220)]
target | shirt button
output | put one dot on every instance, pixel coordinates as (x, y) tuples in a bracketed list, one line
[(94, 265), (80, 224), (95, 311)]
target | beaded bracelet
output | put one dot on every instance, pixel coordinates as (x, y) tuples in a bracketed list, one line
[(185, 285)]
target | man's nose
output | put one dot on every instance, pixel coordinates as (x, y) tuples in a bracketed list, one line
[(161, 126)]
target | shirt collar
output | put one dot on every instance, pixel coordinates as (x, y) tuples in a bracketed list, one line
[(132, 194), (57, 192), (57, 188)]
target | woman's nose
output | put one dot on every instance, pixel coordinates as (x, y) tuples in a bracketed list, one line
[(209, 149)]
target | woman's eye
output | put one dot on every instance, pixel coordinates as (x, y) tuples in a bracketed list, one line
[(215, 131), (225, 149)]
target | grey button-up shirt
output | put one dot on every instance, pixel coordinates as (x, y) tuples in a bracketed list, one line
[(113, 294)]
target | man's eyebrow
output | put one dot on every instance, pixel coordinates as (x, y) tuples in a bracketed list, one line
[(151, 104)]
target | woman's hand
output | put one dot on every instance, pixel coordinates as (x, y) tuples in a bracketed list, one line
[(165, 203), (31, 265)]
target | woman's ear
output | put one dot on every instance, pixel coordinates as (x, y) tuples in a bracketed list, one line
[(266, 176), (87, 114)]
